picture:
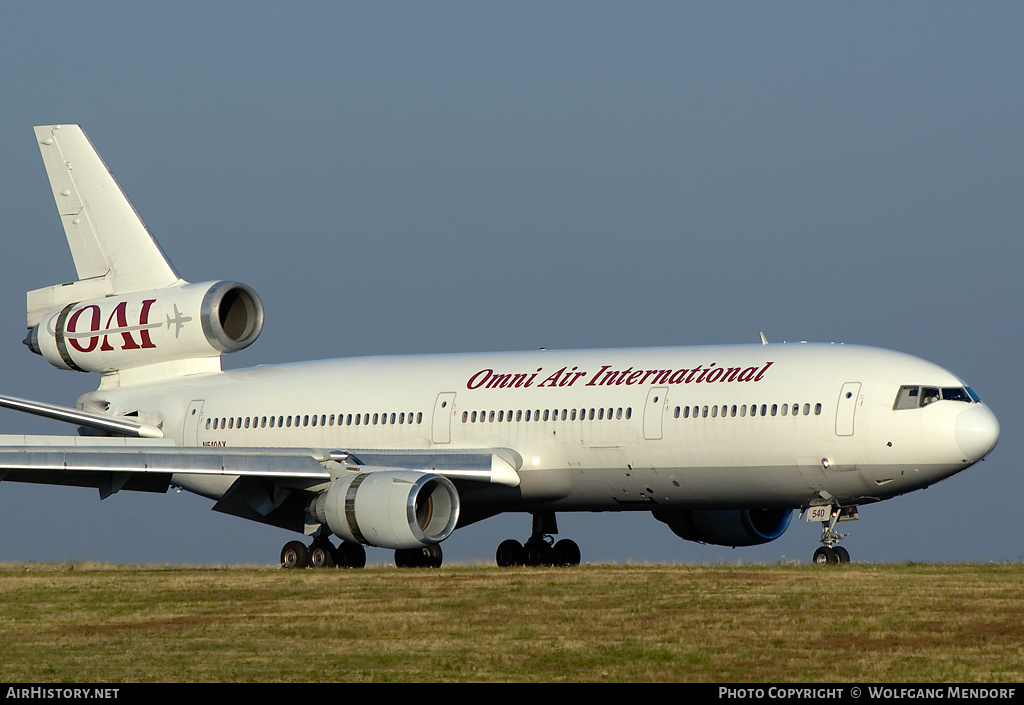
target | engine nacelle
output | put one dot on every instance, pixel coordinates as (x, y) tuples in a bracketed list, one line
[(390, 508), (727, 527), (121, 332)]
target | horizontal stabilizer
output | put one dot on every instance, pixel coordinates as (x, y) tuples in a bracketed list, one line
[(119, 426)]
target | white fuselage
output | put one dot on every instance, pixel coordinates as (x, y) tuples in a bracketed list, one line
[(758, 426)]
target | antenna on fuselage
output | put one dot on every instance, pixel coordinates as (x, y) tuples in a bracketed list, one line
[(764, 340)]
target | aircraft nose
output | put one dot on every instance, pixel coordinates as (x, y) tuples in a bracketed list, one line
[(977, 432)]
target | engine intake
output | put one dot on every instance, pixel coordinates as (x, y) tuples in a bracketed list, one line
[(727, 527), (390, 508)]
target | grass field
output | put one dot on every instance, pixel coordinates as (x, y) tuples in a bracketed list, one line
[(865, 623)]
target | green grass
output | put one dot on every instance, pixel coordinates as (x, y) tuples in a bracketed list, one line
[(869, 623)]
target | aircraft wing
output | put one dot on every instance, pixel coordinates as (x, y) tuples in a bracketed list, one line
[(112, 464), (269, 485)]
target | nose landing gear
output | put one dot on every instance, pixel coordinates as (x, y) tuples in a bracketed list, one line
[(831, 552)]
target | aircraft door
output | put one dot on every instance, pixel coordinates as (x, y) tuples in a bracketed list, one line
[(441, 426), (846, 409), (194, 413), (653, 412)]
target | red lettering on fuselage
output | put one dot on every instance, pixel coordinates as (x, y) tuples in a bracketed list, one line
[(606, 376)]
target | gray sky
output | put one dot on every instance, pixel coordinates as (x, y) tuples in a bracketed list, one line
[(410, 177)]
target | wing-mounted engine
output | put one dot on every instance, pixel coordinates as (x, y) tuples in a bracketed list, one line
[(727, 527), (188, 322), (390, 508)]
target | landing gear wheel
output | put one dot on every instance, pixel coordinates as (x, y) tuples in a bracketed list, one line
[(566, 552), (842, 553), (426, 557), (539, 552), (825, 555), (321, 555), (295, 555), (510, 552), (350, 555)]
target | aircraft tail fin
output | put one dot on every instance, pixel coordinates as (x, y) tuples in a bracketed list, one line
[(112, 250)]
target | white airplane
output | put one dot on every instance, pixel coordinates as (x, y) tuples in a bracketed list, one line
[(721, 443)]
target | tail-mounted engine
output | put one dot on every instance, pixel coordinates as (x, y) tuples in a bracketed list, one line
[(727, 527), (187, 322), (390, 508)]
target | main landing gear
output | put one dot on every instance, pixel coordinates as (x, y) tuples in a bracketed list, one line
[(540, 548), (831, 552), (323, 554)]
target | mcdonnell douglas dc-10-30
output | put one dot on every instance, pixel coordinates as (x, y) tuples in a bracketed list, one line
[(724, 444)]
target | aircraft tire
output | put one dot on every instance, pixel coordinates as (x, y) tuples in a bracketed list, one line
[(426, 557), (295, 555), (320, 556), (539, 553), (566, 552), (349, 555), (510, 553), (825, 556), (842, 554)]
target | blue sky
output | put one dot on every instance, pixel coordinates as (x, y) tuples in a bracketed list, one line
[(411, 177)]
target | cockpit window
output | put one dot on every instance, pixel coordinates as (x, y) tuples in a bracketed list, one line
[(929, 395), (907, 398), (913, 397), (956, 394)]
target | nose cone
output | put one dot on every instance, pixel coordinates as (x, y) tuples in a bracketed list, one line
[(977, 432)]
